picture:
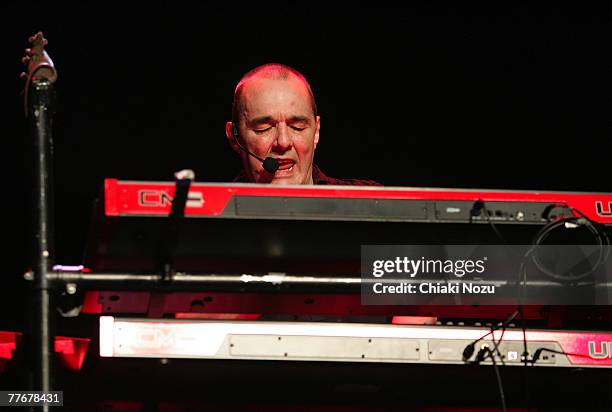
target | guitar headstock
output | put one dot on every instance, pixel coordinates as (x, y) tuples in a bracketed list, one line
[(38, 65), (37, 61)]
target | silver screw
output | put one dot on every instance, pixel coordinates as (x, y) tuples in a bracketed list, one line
[(71, 288)]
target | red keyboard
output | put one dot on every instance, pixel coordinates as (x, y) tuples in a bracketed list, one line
[(130, 198)]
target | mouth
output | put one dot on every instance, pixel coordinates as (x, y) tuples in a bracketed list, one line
[(285, 164)]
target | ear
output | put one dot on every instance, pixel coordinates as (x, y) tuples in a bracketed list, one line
[(318, 127), (229, 132)]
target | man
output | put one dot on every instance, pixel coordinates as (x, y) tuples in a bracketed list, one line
[(274, 114)]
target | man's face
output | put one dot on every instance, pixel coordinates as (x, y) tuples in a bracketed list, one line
[(277, 120)]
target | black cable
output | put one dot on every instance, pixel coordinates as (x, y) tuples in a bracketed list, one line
[(493, 227), (596, 230), (603, 243), (482, 356), (504, 242), (500, 385), (604, 252), (524, 328), (468, 351), (479, 207), (496, 348), (538, 352), (525, 359)]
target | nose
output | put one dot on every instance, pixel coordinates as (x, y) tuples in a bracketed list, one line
[(283, 141)]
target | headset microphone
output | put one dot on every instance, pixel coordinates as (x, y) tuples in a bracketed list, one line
[(270, 164)]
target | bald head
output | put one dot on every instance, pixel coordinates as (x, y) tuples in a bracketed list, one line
[(270, 71), (274, 115)]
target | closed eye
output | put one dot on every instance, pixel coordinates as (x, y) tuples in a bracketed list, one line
[(260, 131)]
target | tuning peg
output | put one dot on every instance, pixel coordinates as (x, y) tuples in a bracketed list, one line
[(26, 60), (23, 76), (33, 38), (28, 52)]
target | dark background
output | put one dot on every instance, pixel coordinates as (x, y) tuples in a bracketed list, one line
[(508, 97), (513, 97)]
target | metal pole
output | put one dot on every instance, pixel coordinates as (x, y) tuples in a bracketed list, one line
[(42, 331)]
